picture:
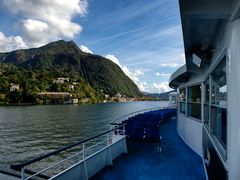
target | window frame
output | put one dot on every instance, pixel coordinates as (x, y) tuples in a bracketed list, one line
[(221, 150), (207, 124), (221, 147), (183, 102), (200, 103)]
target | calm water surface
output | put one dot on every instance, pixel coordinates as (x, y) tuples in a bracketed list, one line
[(29, 131)]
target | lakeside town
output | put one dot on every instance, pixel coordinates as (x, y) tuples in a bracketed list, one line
[(61, 90), (68, 97)]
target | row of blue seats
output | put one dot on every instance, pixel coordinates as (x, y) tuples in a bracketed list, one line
[(146, 126), (150, 118), (144, 134)]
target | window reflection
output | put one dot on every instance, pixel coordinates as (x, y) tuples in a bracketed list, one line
[(206, 102), (219, 84), (219, 102), (174, 100), (182, 100), (194, 101), (219, 119)]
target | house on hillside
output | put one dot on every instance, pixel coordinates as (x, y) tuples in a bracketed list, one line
[(71, 87), (118, 95), (14, 87), (61, 80)]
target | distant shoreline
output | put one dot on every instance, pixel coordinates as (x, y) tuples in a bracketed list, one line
[(31, 104)]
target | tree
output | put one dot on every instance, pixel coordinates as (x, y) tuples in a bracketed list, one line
[(15, 97), (56, 87)]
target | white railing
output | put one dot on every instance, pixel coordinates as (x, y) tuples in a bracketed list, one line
[(78, 157)]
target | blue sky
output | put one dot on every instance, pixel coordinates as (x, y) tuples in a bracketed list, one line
[(143, 37)]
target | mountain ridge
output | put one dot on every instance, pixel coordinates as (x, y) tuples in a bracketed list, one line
[(66, 58)]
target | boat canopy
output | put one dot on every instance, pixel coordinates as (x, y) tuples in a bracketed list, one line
[(202, 25)]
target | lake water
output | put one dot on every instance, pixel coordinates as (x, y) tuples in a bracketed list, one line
[(29, 131)]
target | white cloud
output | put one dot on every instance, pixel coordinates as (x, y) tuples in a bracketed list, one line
[(35, 25), (176, 62), (113, 59), (11, 42), (154, 87), (170, 65), (139, 73), (85, 49), (43, 21), (169, 31), (132, 74), (160, 87), (142, 85), (182, 57), (162, 74), (36, 32)]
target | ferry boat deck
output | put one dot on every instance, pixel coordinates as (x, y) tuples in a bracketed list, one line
[(144, 160), (144, 146)]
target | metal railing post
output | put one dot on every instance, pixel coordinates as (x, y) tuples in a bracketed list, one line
[(84, 162), (117, 131), (83, 151), (108, 139), (23, 173)]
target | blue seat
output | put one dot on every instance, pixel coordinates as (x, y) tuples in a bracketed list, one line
[(136, 133), (153, 135), (146, 126)]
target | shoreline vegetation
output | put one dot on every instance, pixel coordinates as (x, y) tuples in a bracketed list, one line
[(21, 86)]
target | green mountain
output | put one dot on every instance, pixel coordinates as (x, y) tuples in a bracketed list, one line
[(66, 59)]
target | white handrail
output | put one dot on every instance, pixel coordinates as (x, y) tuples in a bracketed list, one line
[(66, 159)]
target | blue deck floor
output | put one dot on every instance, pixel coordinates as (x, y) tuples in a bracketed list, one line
[(143, 161)]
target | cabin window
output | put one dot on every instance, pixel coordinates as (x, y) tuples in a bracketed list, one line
[(182, 100), (219, 85), (219, 102), (206, 102), (194, 101), (174, 100)]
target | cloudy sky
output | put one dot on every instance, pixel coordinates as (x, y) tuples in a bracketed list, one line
[(142, 36)]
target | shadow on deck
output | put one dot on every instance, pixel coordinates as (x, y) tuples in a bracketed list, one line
[(144, 161)]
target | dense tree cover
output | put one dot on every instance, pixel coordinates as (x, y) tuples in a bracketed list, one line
[(33, 81), (64, 57)]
